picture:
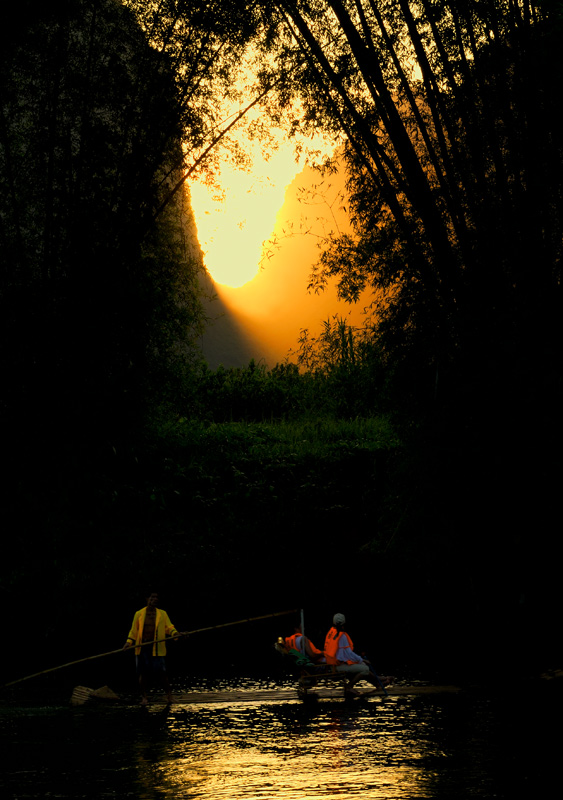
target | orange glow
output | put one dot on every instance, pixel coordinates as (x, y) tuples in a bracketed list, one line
[(275, 305), (233, 224), (259, 228), (235, 207)]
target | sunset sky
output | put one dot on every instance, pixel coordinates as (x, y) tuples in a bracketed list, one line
[(259, 229), (274, 305), (234, 220)]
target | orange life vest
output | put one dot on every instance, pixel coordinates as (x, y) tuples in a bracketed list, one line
[(290, 641), (332, 644), (291, 645)]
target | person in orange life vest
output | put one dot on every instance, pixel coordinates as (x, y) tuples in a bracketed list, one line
[(303, 645), (340, 654), (151, 624)]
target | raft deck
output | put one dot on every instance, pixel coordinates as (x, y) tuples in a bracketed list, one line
[(265, 695)]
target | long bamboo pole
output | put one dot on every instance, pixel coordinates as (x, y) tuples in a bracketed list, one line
[(144, 644)]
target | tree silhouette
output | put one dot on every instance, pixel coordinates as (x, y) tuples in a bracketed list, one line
[(105, 109), (449, 117)]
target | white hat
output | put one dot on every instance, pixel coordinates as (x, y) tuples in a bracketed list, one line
[(339, 619)]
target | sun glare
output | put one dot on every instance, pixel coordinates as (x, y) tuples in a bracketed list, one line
[(233, 224), (234, 220)]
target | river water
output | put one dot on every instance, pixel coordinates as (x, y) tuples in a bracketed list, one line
[(472, 744)]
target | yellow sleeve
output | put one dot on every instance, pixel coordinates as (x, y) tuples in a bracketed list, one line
[(169, 629), (134, 628)]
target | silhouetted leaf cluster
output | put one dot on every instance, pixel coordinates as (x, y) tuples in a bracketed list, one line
[(449, 113)]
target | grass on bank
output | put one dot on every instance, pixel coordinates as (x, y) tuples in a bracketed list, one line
[(300, 438)]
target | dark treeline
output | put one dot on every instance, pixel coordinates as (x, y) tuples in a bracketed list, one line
[(405, 472)]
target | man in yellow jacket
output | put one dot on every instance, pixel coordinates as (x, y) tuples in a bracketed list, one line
[(151, 624)]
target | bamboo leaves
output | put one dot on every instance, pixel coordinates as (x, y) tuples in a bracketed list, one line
[(454, 153)]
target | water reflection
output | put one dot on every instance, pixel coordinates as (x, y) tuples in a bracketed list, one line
[(287, 751), (456, 746)]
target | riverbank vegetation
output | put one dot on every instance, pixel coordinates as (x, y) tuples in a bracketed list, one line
[(425, 544), (408, 472)]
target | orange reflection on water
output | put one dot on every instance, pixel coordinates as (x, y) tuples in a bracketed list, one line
[(285, 751)]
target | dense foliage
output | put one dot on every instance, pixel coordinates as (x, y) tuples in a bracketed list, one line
[(338, 373), (93, 302), (449, 114), (105, 110)]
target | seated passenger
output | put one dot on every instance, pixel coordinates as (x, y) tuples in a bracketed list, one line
[(304, 646), (339, 653)]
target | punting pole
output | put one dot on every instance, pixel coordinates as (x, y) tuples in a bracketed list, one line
[(144, 644)]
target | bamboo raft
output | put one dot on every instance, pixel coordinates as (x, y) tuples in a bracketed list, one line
[(82, 695), (310, 684), (286, 695)]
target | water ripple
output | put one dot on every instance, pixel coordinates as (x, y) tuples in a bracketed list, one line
[(408, 747)]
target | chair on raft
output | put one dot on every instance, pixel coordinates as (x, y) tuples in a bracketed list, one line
[(309, 673)]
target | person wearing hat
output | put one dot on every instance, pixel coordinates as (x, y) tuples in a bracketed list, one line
[(339, 653)]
